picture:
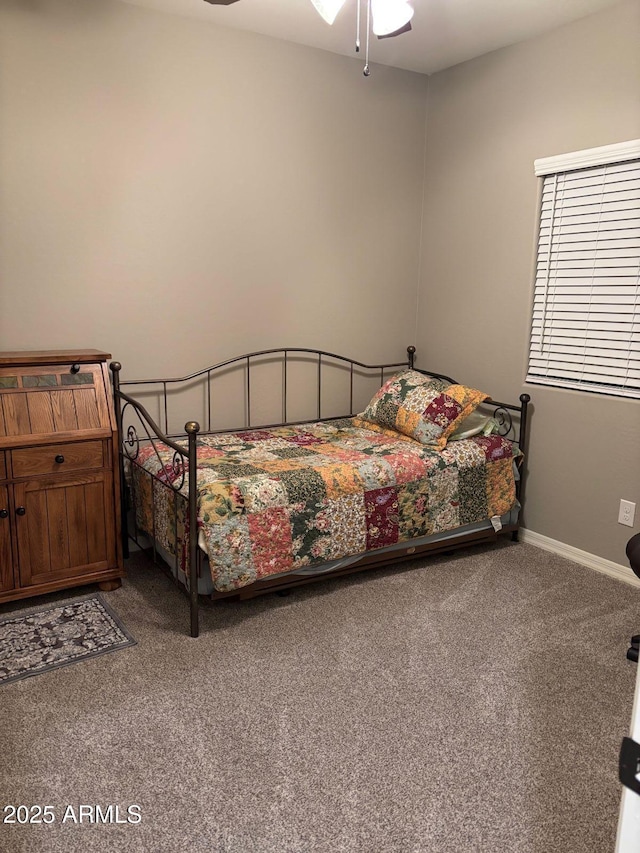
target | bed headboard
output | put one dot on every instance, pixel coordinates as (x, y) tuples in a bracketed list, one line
[(314, 385), (308, 375)]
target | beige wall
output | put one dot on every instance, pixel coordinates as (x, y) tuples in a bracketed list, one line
[(488, 119), (178, 193)]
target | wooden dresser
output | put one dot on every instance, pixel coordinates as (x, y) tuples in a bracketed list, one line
[(59, 478)]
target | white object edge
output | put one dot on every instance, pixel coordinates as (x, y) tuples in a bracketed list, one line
[(628, 838)]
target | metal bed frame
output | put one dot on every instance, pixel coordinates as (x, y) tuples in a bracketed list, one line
[(184, 460)]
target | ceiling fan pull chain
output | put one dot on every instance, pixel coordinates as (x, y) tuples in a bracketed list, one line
[(358, 25), (367, 71)]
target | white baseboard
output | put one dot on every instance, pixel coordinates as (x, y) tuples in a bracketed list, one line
[(591, 561)]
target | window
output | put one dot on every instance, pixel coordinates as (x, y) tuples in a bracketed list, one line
[(585, 332)]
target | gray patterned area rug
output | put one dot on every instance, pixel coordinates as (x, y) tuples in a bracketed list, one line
[(36, 641)]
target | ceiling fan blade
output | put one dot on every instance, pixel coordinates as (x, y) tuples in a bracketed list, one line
[(221, 2), (391, 17), (399, 32), (328, 8)]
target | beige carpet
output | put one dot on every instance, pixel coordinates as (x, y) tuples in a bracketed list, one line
[(474, 704)]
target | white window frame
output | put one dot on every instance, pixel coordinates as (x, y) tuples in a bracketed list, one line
[(572, 344)]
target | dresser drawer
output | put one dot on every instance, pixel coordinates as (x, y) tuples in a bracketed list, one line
[(57, 458), (3, 467)]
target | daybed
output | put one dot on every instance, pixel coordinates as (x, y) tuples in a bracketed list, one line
[(277, 505)]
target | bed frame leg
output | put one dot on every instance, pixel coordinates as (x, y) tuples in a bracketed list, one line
[(193, 429), (195, 628), (514, 536)]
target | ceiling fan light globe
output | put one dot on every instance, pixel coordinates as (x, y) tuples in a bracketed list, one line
[(328, 8), (389, 16)]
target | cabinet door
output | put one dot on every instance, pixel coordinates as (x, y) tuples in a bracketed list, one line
[(6, 565), (65, 527)]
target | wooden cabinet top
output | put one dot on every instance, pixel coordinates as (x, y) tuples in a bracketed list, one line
[(52, 396), (13, 359)]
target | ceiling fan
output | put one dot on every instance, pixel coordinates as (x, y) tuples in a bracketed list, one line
[(385, 18)]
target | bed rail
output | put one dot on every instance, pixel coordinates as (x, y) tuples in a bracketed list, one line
[(136, 427)]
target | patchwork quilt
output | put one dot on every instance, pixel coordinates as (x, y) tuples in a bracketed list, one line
[(275, 500)]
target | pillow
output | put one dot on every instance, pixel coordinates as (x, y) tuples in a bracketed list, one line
[(421, 407), (475, 424)]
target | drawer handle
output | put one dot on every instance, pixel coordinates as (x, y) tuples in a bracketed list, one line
[(4, 513), (75, 368), (20, 510), (59, 458)]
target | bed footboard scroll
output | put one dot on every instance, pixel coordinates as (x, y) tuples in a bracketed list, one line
[(184, 461)]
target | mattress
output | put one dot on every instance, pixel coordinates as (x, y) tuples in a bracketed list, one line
[(205, 583), (285, 500)]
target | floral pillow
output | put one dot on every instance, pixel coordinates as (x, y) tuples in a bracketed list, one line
[(421, 407)]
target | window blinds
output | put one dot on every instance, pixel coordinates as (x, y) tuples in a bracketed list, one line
[(586, 314)]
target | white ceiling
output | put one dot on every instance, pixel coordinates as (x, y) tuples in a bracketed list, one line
[(444, 33)]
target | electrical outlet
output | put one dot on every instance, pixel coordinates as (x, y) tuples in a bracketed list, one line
[(627, 513)]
